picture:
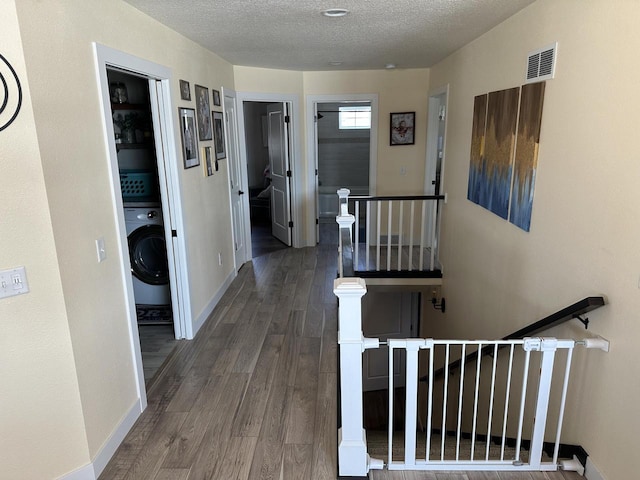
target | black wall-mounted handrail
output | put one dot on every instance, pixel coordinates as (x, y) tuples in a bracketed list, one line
[(401, 197), (572, 311)]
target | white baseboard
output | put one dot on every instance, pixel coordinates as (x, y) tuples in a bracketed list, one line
[(84, 473), (591, 472), (198, 322), (94, 469)]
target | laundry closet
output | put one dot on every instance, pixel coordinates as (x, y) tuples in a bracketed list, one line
[(139, 183)]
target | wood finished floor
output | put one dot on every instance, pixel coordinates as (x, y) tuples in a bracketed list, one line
[(254, 395)]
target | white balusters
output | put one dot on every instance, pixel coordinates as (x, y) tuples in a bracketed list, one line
[(390, 223)]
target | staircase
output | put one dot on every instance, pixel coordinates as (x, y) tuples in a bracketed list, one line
[(496, 400)]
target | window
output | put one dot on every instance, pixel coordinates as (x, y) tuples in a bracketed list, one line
[(350, 118)]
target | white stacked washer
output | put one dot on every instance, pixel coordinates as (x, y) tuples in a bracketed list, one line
[(148, 255)]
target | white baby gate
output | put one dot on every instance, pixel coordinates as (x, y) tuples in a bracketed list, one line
[(501, 403)]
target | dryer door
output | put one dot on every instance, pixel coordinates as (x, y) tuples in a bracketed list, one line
[(148, 253)]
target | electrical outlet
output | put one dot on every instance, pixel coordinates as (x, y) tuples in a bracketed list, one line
[(13, 282)]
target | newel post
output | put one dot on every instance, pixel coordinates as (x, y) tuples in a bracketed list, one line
[(345, 222), (352, 446)]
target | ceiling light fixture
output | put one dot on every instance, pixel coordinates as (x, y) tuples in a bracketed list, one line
[(335, 12), (335, 64), (390, 66)]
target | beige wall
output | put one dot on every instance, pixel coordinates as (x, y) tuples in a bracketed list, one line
[(40, 410), (398, 91), (57, 40), (584, 230)]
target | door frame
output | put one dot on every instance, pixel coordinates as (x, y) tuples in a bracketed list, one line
[(431, 158), (312, 148), (299, 194), (246, 224), (432, 135), (106, 57)]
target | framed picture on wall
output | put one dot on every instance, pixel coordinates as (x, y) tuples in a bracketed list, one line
[(204, 119), (218, 127), (216, 97), (185, 90), (188, 132), (208, 164), (402, 128)]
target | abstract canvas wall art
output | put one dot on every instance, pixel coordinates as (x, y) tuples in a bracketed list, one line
[(476, 166), (526, 157), (492, 170)]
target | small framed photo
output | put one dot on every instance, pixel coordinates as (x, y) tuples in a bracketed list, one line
[(218, 127), (188, 133), (208, 165), (204, 120), (403, 128), (185, 90), (216, 97)]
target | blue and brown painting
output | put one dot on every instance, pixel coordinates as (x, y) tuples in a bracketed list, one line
[(492, 148), (526, 158)]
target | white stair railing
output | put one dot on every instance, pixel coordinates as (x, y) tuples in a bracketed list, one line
[(353, 459), (401, 233), (492, 402)]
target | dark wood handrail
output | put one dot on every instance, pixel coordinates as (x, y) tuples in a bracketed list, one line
[(398, 197), (572, 311)]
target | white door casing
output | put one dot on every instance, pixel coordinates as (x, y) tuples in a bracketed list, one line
[(300, 192), (312, 102), (106, 57), (278, 140), (237, 189)]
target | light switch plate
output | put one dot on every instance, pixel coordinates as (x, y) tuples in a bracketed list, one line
[(100, 249), (13, 282)]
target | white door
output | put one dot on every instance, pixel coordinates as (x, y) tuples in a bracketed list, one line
[(387, 315), (436, 129), (157, 105), (278, 142), (236, 187)]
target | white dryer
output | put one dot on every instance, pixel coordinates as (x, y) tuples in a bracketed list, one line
[(148, 255)]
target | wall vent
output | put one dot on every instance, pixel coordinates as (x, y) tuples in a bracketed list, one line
[(541, 64)]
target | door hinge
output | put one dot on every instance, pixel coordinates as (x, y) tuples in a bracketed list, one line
[(174, 233), (316, 172), (287, 119), (288, 173), (290, 224), (317, 221), (442, 113)]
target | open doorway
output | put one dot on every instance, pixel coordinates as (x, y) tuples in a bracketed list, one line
[(154, 106), (267, 147), (143, 216), (343, 153)]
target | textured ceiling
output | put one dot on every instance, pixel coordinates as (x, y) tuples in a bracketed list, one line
[(293, 35)]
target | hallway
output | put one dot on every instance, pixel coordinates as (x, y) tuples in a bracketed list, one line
[(254, 396)]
